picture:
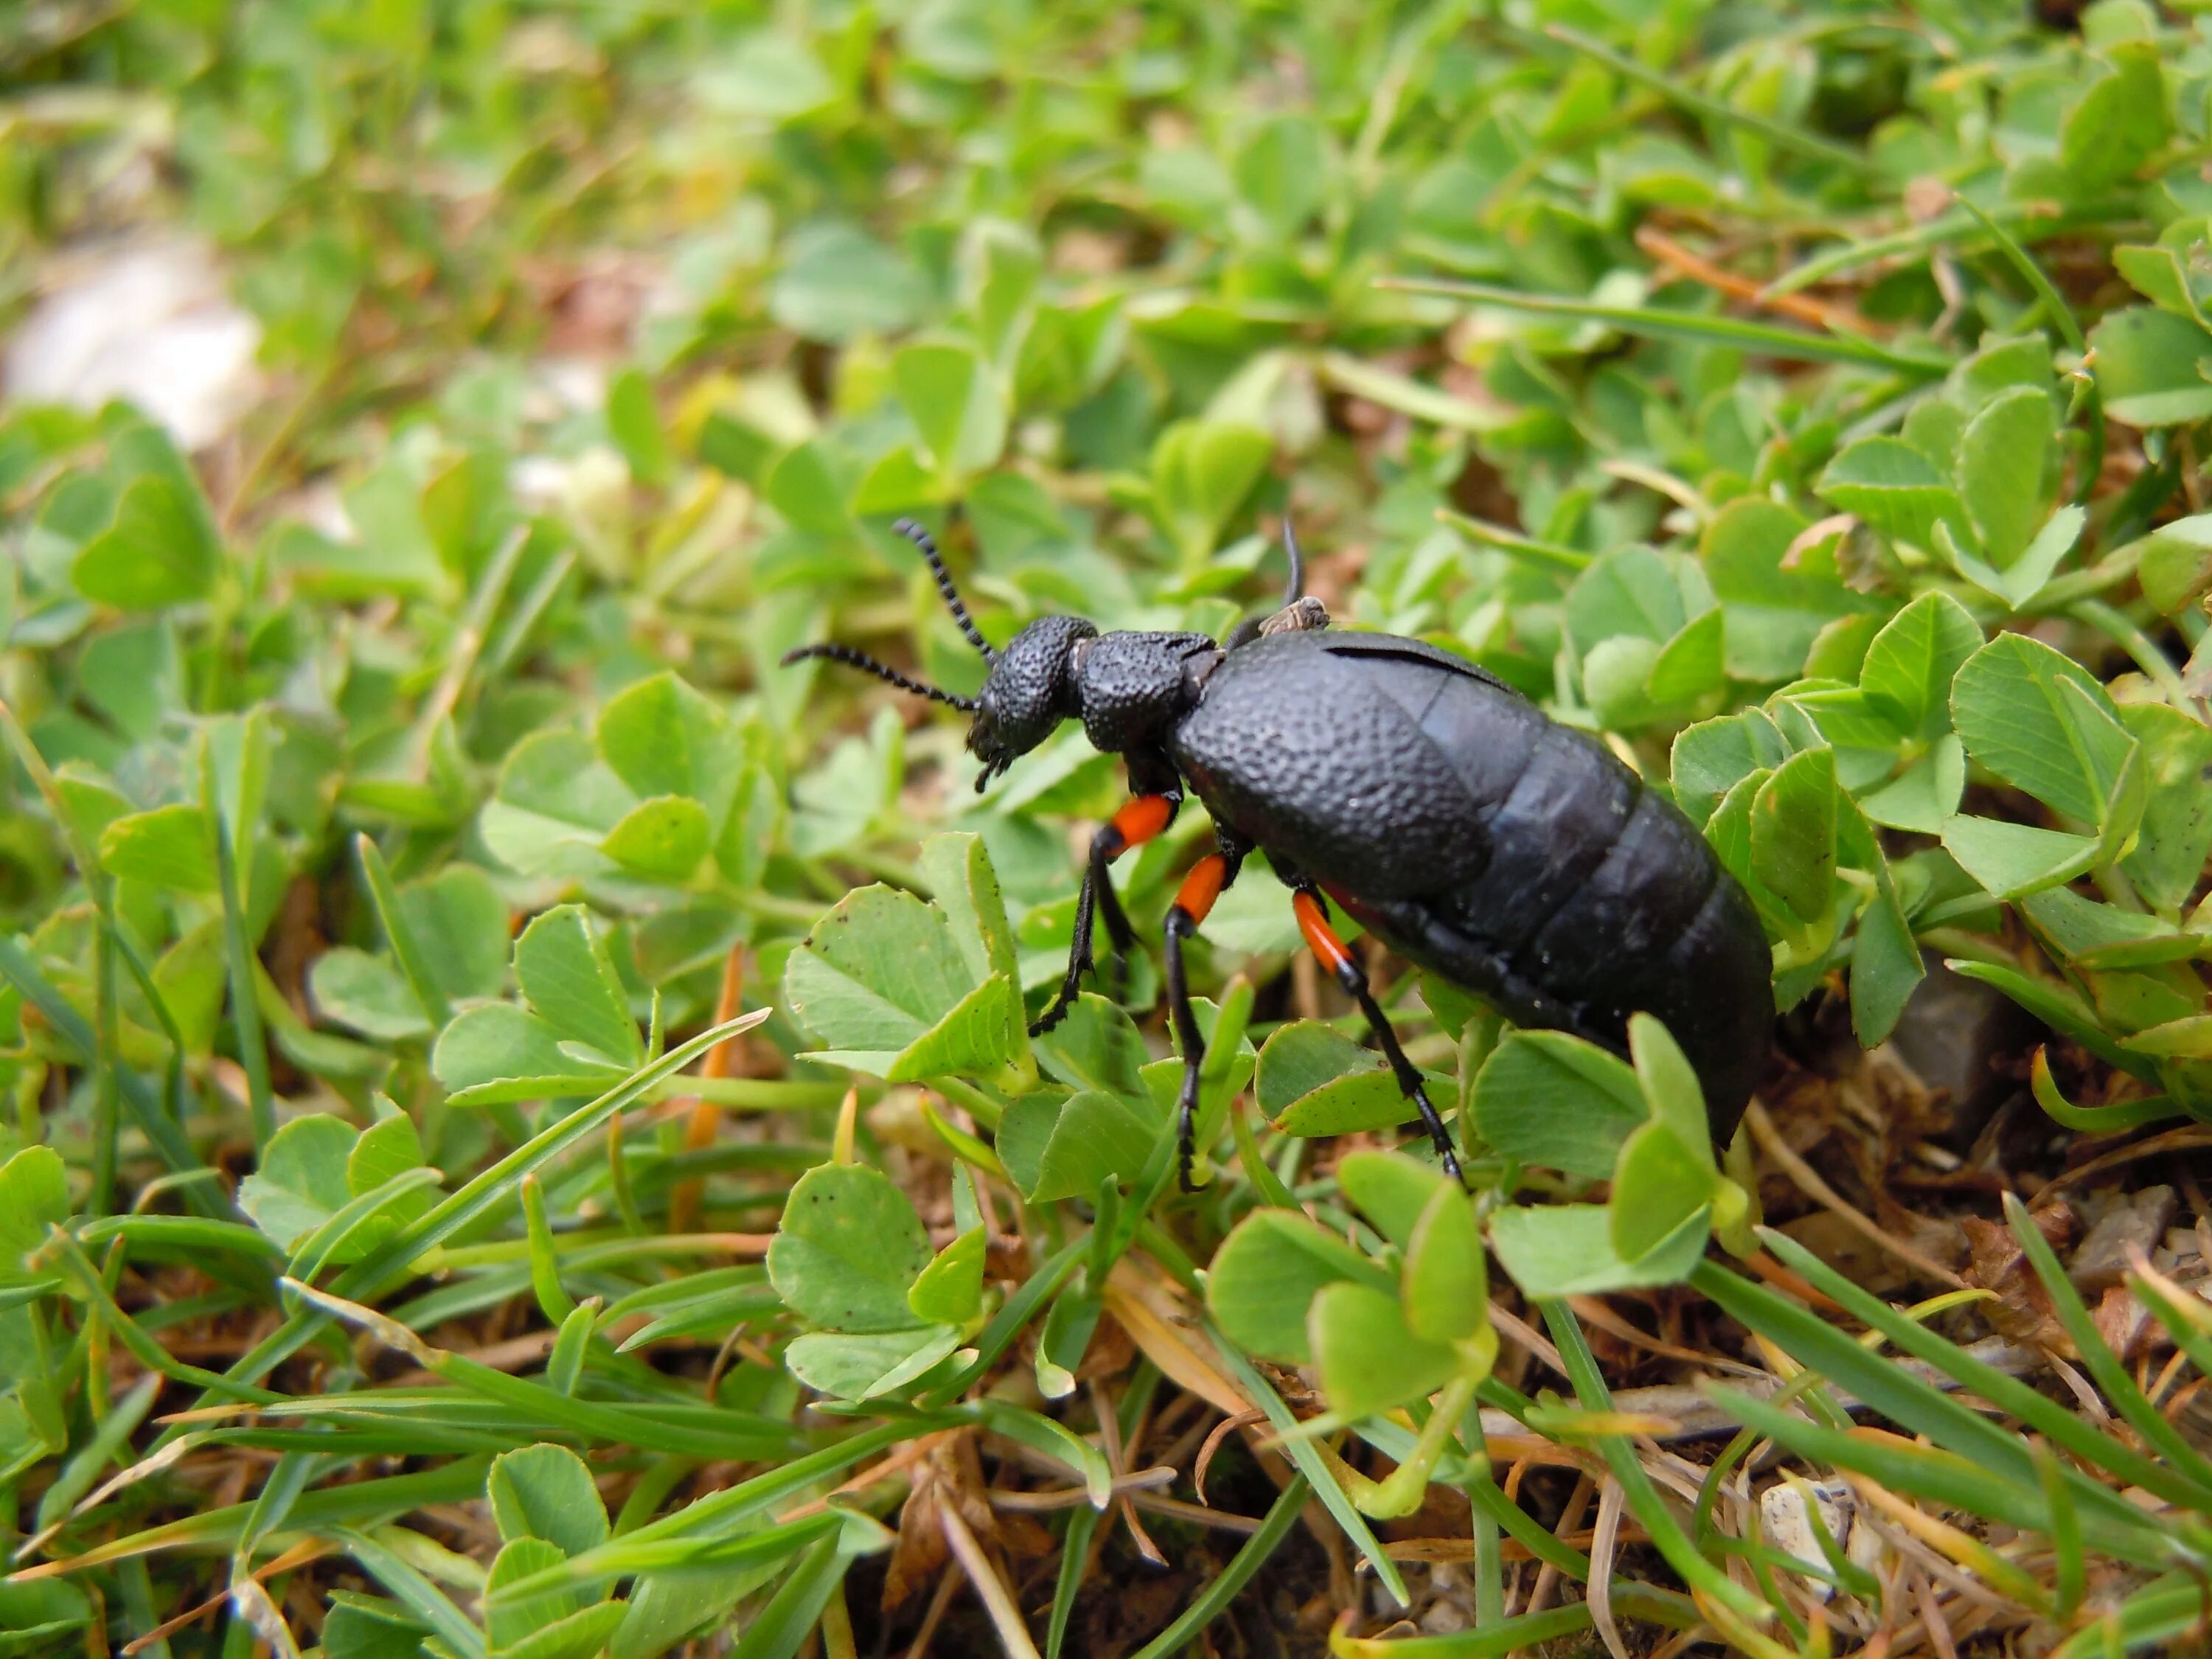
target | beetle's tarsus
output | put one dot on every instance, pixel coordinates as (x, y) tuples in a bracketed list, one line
[(1056, 1009), (1181, 925), (1447, 1154)]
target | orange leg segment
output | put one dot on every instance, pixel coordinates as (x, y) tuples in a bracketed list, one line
[(1139, 822), (1321, 938), (1194, 898)]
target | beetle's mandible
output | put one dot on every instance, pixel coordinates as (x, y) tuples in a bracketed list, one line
[(1473, 833)]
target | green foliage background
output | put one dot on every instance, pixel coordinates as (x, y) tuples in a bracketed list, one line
[(1808, 398)]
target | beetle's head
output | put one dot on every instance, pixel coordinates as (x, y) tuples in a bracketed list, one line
[(1030, 690), (1031, 686)]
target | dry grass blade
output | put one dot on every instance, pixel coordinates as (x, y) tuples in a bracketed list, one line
[(1214, 1439), (1605, 1551), (1797, 306), (1068, 1498), (1155, 1314), (948, 1582), (1110, 1436), (1005, 1617)]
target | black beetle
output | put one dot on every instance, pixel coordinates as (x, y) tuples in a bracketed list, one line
[(1475, 835)]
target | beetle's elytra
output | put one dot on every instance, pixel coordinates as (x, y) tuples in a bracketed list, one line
[(1473, 833)]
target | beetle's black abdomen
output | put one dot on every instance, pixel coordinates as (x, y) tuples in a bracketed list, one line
[(1486, 842)]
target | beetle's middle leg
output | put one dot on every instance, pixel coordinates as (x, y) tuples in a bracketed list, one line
[(1337, 957), (1139, 822), (1209, 879)]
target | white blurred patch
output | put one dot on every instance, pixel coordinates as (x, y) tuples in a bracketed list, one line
[(150, 324), (1786, 1519)]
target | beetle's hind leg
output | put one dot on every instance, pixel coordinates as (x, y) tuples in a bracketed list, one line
[(1208, 879), (1337, 957)]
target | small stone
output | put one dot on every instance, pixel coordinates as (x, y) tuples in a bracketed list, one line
[(1786, 1519), (1445, 1617), (1953, 1031), (2124, 1323), (2136, 1225)]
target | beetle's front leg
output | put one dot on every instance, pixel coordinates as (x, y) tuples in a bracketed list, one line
[(1139, 822), (1337, 957), (1210, 877)]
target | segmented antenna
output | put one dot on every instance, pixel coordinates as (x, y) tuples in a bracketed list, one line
[(922, 539), (1297, 587), (866, 664)]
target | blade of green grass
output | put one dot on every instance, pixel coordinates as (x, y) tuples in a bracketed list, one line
[(78, 1267), (406, 949), (1860, 250), (2054, 302), (356, 1503), (1310, 1464), (2155, 1615), (795, 1609), (109, 1436), (622, 1558), (1074, 1558), (1006, 1324), (245, 1009), (1489, 1497), (2104, 1365), (1676, 89), (1761, 339), (1513, 542), (1407, 395), (182, 1232), (1905, 1400), (2070, 1571), (502, 1182), (413, 1589), (1527, 1631), (1943, 1477)]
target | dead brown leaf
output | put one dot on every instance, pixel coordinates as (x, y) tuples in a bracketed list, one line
[(1995, 1263)]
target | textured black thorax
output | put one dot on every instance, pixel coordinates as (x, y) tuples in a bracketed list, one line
[(1131, 687)]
